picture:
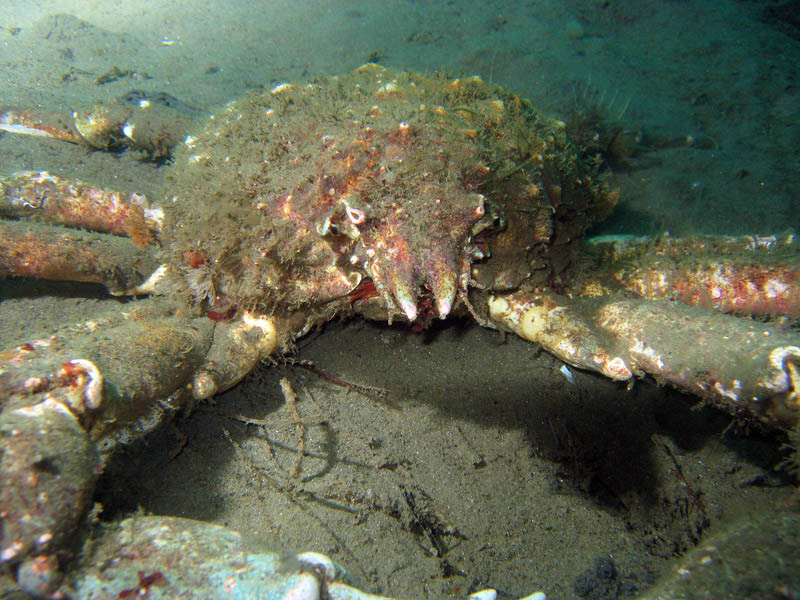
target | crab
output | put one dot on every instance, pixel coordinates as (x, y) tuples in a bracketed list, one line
[(393, 196)]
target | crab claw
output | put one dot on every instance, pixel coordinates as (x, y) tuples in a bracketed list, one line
[(392, 267), (424, 245), (399, 273), (403, 288), (441, 277), (446, 296)]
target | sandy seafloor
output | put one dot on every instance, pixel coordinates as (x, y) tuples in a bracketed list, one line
[(536, 479)]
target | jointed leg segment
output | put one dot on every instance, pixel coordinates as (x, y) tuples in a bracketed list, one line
[(742, 366)]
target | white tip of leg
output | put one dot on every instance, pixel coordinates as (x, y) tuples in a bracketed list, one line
[(484, 595), (320, 563), (409, 308)]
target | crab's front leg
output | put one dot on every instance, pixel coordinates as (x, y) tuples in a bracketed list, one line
[(153, 124), (742, 366), (69, 401)]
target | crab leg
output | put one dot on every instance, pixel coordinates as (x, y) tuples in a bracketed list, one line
[(65, 400), (119, 368), (46, 252), (27, 123), (152, 125), (60, 201), (744, 367), (50, 252), (742, 275), (69, 401), (174, 558)]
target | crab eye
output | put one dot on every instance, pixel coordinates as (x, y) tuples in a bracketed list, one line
[(333, 229), (324, 226)]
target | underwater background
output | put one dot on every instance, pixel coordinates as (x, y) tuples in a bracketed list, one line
[(584, 490)]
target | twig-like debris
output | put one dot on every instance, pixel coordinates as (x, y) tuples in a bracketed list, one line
[(293, 495), (364, 389), (302, 431)]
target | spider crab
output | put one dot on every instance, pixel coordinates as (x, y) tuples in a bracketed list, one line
[(394, 196)]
